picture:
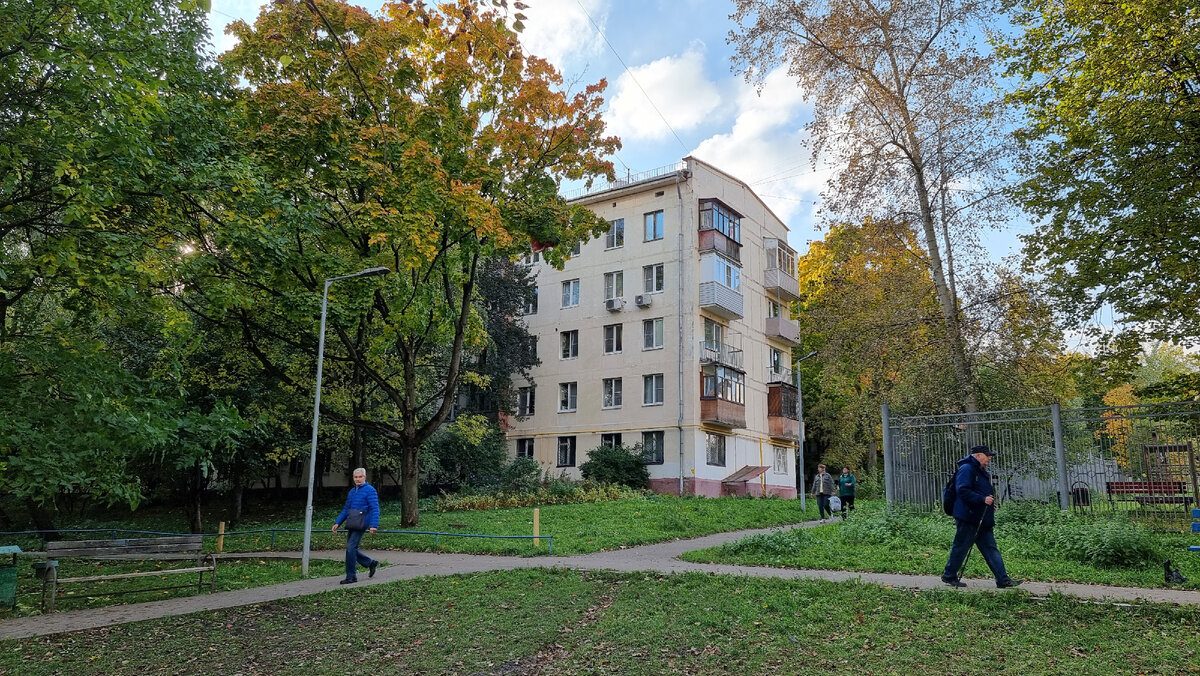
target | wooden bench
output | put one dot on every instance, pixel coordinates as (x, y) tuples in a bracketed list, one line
[(128, 549), (1149, 492)]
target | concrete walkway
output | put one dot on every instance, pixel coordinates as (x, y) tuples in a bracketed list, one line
[(661, 558)]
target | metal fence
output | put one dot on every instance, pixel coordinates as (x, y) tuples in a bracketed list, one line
[(1137, 459)]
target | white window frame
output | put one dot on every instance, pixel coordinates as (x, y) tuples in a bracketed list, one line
[(781, 458), (531, 307), (655, 334), (615, 238), (566, 452), (652, 442), (715, 450), (568, 344), (653, 278), (613, 338), (610, 439), (611, 394), (774, 309), (654, 386), (614, 284), (568, 397), (570, 293), (655, 218), (526, 400)]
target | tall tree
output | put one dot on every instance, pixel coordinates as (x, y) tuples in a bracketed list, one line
[(904, 101), (1111, 157), (423, 139)]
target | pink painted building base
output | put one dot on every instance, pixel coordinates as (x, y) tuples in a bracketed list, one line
[(713, 488)]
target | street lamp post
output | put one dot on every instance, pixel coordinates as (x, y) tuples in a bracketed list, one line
[(312, 456), (800, 419)]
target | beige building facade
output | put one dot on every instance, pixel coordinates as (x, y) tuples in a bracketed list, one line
[(672, 331)]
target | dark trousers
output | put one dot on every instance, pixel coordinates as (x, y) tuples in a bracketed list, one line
[(823, 506), (847, 504), (354, 557), (966, 535)]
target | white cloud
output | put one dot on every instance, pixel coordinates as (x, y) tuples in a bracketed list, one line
[(560, 32), (765, 148), (681, 92)]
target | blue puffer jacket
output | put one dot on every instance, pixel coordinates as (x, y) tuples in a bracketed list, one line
[(365, 498), (973, 485)]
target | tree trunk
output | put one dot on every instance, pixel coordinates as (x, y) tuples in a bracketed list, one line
[(42, 520), (409, 516), (872, 456), (197, 484), (238, 491)]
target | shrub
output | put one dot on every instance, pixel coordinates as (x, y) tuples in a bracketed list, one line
[(1107, 543), (520, 475), (617, 465), (557, 492), (468, 453), (778, 543)]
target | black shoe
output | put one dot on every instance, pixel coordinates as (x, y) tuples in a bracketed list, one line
[(954, 582), (1008, 584), (349, 580), (371, 568)]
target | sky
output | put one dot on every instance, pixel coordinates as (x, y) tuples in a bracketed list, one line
[(672, 92)]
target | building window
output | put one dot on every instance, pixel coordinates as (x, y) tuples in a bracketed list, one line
[(570, 344), (616, 234), (614, 285), (566, 451), (774, 309), (531, 257), (652, 389), (725, 272), (524, 448), (570, 295), (612, 339), (654, 226), (781, 459), (652, 447), (531, 305), (576, 250), (716, 450), (652, 278), (776, 361), (652, 334), (612, 393), (525, 401), (567, 397), (610, 440), (780, 257), (717, 216), (723, 382)]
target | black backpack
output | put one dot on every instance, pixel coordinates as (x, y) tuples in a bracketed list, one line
[(950, 494)]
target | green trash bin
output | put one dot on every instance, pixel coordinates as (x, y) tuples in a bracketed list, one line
[(8, 577)]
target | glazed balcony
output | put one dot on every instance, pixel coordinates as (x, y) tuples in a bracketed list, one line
[(716, 411), (778, 328), (721, 300), (782, 417)]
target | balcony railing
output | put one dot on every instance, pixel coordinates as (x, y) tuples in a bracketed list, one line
[(781, 376), (786, 330), (628, 180), (779, 282), (712, 352), (721, 412), (720, 300), (715, 240)]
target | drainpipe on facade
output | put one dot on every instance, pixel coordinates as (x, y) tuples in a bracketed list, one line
[(679, 329)]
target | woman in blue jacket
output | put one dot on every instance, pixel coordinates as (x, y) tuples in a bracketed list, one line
[(362, 498)]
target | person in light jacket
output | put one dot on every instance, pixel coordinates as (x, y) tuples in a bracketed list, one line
[(823, 488), (364, 498)]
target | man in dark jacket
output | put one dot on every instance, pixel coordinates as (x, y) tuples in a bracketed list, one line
[(974, 516), (362, 498)]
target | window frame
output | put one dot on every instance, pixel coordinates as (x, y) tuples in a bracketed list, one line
[(647, 447), (569, 449), (614, 284), (568, 397), (781, 454), (571, 291), (654, 384), (715, 451), (652, 274), (526, 400), (568, 342), (525, 447), (610, 439), (616, 340), (615, 237), (657, 333), (657, 218), (611, 393)]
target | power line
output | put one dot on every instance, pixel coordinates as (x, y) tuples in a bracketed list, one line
[(631, 76)]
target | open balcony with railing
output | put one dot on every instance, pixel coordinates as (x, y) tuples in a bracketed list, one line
[(778, 328), (714, 352), (783, 418)]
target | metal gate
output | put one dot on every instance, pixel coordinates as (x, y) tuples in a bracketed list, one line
[(1136, 459)]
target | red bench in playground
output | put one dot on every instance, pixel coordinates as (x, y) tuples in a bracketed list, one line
[(1149, 492)]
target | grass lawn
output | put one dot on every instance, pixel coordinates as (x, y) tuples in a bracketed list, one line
[(874, 541), (568, 622), (577, 529), (231, 574)]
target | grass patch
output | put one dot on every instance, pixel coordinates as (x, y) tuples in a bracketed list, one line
[(1038, 544), (577, 528), (568, 622), (231, 574)]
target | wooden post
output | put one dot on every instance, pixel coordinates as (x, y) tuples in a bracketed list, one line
[(220, 536), (537, 525)]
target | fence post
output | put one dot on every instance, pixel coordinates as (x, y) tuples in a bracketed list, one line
[(220, 537), (889, 479), (537, 525), (1060, 452)]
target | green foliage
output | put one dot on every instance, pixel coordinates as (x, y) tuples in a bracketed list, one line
[(466, 454), (557, 492), (893, 524), (1107, 543), (617, 464), (520, 475), (1111, 92)]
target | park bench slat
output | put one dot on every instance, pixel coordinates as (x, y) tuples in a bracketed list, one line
[(195, 540), (148, 573), (118, 551)]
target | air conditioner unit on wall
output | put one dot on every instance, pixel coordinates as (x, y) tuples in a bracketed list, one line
[(643, 300), (613, 304)]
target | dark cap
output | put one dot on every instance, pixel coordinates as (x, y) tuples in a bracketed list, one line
[(982, 449)]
